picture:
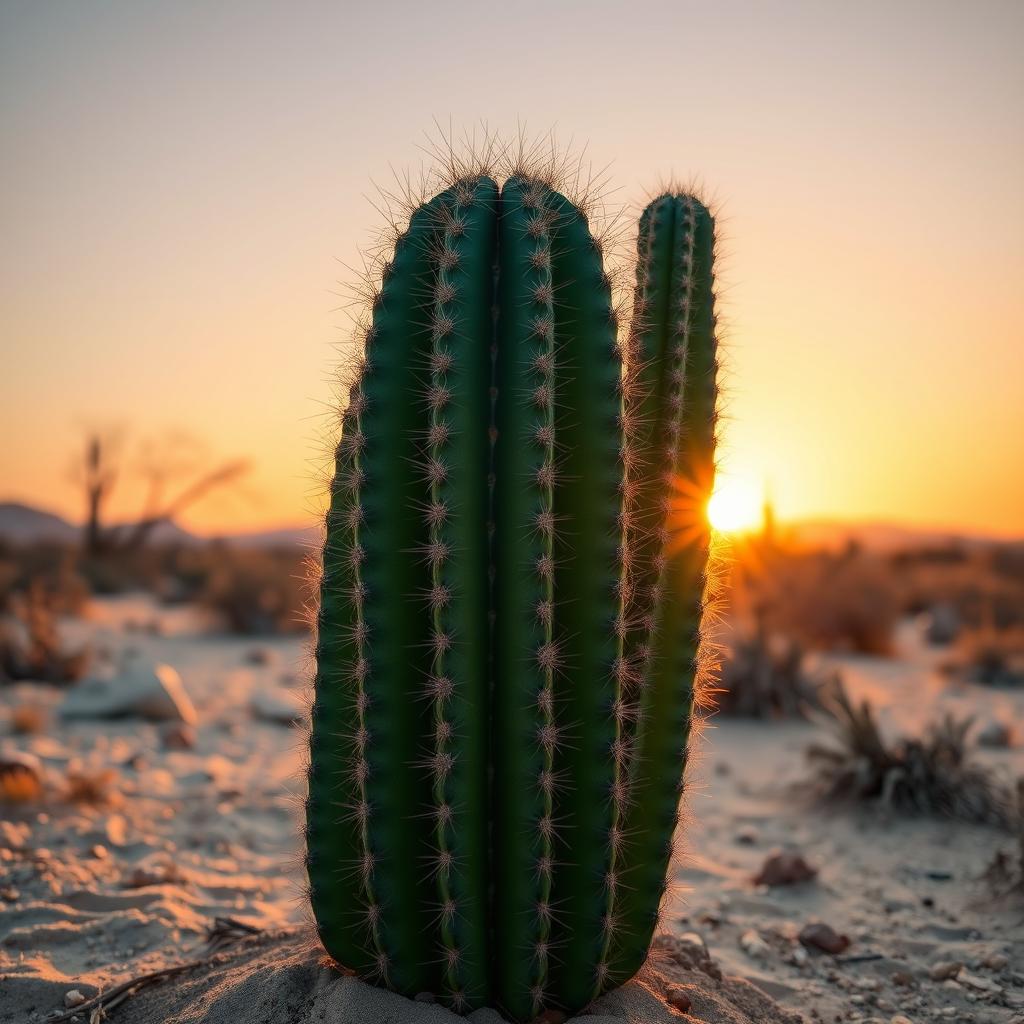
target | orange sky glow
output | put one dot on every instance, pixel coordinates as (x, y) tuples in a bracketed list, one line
[(183, 186)]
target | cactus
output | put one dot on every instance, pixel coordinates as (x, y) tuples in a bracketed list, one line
[(508, 623)]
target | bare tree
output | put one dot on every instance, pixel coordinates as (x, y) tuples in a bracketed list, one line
[(162, 466)]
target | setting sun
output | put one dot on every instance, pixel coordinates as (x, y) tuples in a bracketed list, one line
[(735, 505)]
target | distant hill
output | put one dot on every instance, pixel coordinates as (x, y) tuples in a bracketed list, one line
[(25, 524), (297, 536), (877, 536)]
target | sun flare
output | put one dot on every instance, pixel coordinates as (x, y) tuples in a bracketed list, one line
[(735, 506)]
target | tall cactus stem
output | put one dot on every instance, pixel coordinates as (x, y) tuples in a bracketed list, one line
[(682, 324)]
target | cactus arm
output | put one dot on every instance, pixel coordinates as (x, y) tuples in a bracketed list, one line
[(457, 470), (670, 676), (587, 605), (523, 654)]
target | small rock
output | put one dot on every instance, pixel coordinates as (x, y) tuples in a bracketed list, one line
[(21, 777), (260, 656), (73, 998), (116, 830), (799, 956), (900, 1019), (679, 998), (942, 970), (178, 736), (784, 867), (98, 851), (996, 735), (818, 935), (748, 835), (14, 835), (753, 945), (942, 625), (996, 961), (9, 894), (902, 979), (978, 983), (154, 692)]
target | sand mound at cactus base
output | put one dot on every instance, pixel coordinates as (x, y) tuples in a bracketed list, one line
[(286, 984)]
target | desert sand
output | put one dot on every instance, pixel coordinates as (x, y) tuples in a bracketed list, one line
[(93, 895)]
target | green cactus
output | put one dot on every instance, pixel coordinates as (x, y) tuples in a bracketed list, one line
[(508, 625)]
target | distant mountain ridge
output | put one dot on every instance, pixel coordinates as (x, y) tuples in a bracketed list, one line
[(27, 524)]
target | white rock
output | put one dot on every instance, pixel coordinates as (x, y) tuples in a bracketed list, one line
[(153, 692), (753, 945), (694, 939), (73, 998), (978, 983)]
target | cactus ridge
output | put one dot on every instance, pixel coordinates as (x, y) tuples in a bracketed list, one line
[(509, 615)]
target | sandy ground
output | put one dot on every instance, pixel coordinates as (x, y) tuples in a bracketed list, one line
[(92, 896)]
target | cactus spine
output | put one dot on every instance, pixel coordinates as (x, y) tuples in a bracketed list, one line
[(509, 617)]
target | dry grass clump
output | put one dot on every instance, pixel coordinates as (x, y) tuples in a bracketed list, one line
[(836, 602), (764, 676), (93, 787), (258, 592), (933, 775), (991, 656), (31, 647), (48, 566)]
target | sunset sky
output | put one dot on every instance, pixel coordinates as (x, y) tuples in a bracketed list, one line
[(182, 185)]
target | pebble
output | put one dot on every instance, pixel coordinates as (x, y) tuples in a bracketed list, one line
[(115, 829), (748, 835), (679, 998), (944, 969), (73, 998), (818, 935), (995, 735), (784, 867), (694, 939), (900, 1019), (799, 956), (978, 983), (996, 961), (753, 945)]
